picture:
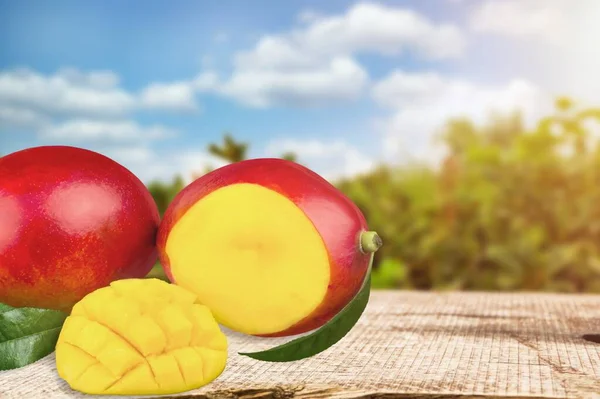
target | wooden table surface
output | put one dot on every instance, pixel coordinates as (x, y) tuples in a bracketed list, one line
[(411, 345)]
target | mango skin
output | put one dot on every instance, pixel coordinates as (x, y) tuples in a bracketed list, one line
[(337, 219), (140, 337), (73, 221)]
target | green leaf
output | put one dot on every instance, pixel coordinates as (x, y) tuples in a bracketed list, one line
[(326, 336), (5, 308), (27, 335)]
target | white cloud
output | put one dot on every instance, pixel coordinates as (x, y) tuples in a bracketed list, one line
[(77, 106), (400, 88), (376, 28), (313, 64), (181, 95), (307, 66), (517, 18), (277, 53), (339, 80), (70, 93), (66, 92), (113, 131), (423, 102), (18, 117), (570, 64), (575, 68), (205, 81), (177, 96), (331, 159), (149, 165)]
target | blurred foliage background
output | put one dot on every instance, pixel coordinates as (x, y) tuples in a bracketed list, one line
[(508, 208)]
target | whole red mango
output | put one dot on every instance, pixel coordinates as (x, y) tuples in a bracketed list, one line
[(71, 221)]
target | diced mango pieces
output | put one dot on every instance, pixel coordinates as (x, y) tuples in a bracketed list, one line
[(140, 337)]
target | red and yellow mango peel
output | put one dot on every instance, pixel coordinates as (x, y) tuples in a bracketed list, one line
[(271, 247)]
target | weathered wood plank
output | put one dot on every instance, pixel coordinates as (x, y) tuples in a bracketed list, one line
[(411, 345)]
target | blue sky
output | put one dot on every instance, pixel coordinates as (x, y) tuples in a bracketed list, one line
[(343, 84)]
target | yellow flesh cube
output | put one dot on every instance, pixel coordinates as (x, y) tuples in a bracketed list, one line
[(166, 371), (252, 256), (213, 365), (139, 380), (162, 346), (190, 364), (80, 360)]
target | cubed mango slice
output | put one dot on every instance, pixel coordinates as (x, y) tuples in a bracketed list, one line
[(140, 337)]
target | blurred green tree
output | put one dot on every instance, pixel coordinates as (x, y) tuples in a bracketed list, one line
[(163, 193), (508, 209), (231, 150), (290, 156)]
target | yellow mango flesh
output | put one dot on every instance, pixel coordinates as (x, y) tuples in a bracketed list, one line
[(140, 337), (252, 256)]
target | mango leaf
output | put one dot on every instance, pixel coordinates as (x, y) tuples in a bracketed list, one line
[(27, 335), (326, 336)]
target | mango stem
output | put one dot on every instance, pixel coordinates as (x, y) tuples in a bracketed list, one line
[(370, 242)]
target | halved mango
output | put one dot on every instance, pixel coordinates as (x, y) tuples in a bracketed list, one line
[(271, 247)]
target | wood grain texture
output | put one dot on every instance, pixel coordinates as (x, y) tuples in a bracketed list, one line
[(410, 345)]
